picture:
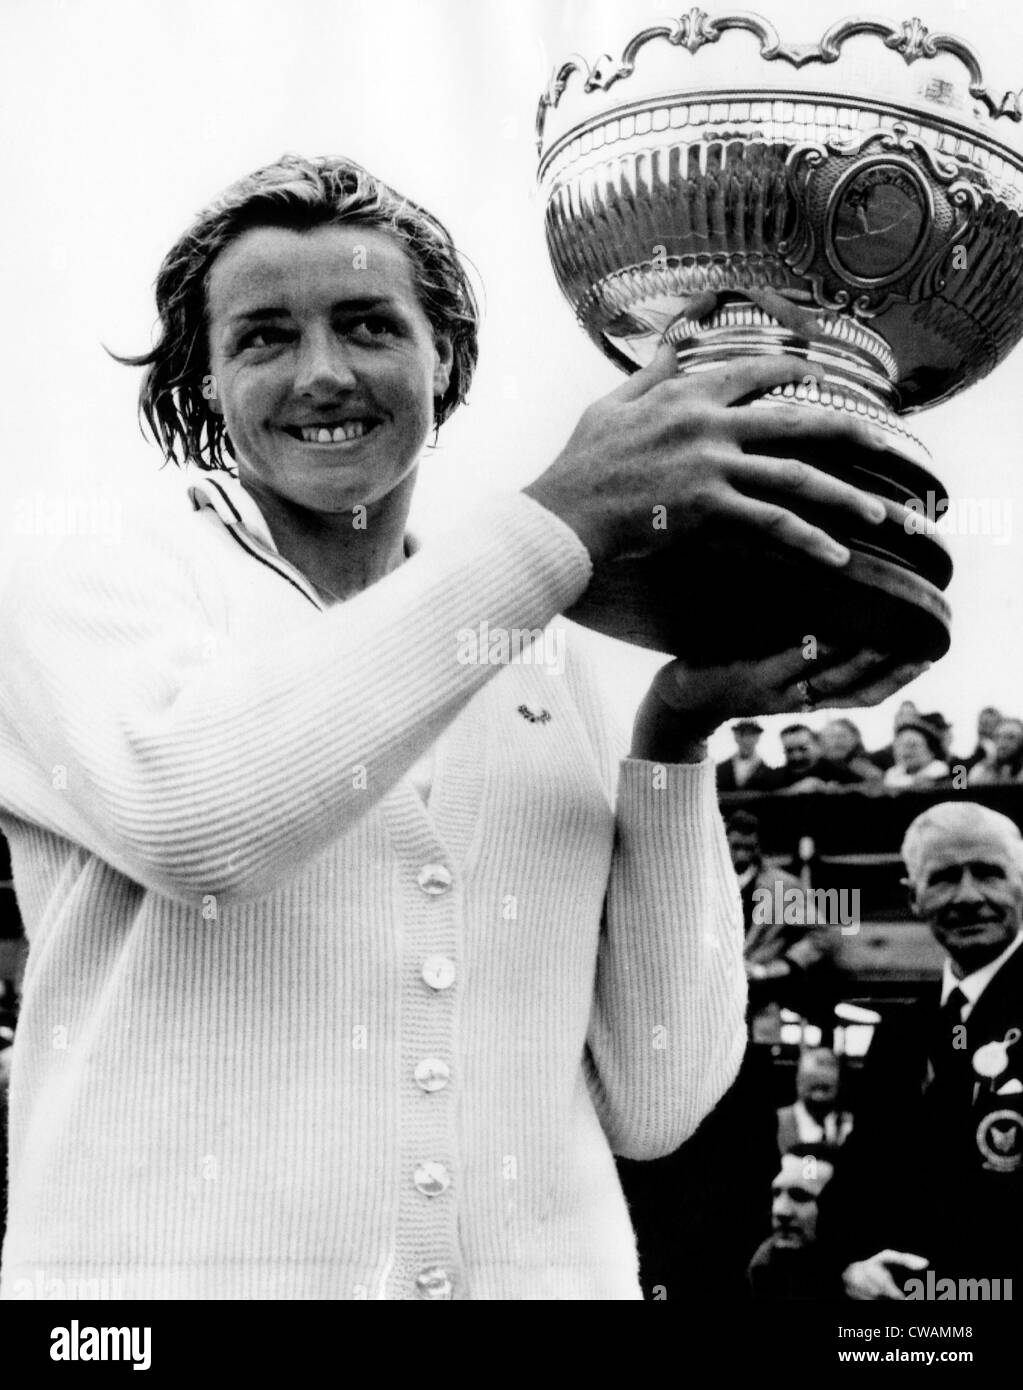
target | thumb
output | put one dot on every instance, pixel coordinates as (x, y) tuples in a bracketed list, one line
[(662, 368)]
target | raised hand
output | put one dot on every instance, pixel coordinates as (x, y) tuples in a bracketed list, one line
[(686, 703), (662, 441)]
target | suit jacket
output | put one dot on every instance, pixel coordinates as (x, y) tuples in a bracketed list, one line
[(838, 1126), (780, 1275), (823, 768), (931, 1167)]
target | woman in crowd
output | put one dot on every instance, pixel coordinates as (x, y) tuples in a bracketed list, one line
[(1004, 762), (842, 744), (918, 757), (354, 958)]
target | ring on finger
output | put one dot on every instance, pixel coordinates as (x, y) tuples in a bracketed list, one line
[(809, 697)]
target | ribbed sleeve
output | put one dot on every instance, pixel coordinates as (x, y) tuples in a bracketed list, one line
[(668, 1031), (198, 767)]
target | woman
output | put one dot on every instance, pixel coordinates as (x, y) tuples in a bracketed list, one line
[(842, 744), (918, 757), (348, 972)]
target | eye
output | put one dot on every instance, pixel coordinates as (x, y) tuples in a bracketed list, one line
[(264, 336), (373, 328)]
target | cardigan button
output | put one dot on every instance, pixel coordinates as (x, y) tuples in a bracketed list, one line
[(434, 1282), (438, 972), (432, 1074), (431, 1179), (434, 879)]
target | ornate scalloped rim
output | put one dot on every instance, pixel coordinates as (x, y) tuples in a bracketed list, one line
[(693, 30)]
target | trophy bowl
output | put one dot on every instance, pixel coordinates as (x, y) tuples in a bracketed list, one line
[(856, 203)]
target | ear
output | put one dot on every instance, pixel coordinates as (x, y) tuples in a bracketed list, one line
[(911, 896), (444, 357)]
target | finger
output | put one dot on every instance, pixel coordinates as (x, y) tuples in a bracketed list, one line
[(748, 377), (785, 669), (701, 305), (838, 673), (809, 484), (662, 368), (783, 310), (887, 1287), (821, 424), (902, 1257), (786, 529), (873, 694)]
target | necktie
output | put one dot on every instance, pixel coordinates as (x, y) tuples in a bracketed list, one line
[(952, 1054)]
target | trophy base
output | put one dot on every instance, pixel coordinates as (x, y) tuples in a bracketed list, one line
[(719, 603), (732, 596)]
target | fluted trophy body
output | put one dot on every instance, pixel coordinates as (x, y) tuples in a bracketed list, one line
[(856, 202)]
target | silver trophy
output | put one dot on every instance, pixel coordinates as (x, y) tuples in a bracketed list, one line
[(856, 202)]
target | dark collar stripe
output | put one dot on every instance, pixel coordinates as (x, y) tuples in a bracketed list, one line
[(270, 565)]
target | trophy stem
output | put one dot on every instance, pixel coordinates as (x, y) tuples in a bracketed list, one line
[(847, 359)]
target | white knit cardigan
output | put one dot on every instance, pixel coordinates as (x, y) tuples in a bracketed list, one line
[(287, 1032)]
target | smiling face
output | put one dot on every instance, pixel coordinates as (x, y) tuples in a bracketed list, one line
[(969, 887), (800, 750), (325, 363)]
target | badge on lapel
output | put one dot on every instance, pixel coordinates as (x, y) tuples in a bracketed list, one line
[(992, 1059)]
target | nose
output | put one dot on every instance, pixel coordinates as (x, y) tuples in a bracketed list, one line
[(323, 366), (968, 889), (781, 1207)]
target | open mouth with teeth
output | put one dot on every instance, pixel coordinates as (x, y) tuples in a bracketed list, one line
[(342, 433)]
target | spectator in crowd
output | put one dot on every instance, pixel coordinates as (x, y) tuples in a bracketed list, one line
[(806, 770), (815, 1117), (842, 744), (745, 770), (918, 757), (943, 729), (932, 1175), (987, 722), (789, 1264), (906, 713), (788, 961), (1006, 761)]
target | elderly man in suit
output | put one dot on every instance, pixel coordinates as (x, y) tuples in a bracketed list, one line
[(932, 1176)]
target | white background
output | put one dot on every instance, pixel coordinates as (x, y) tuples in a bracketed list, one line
[(121, 118)]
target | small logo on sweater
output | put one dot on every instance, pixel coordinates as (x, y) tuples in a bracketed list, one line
[(542, 716)]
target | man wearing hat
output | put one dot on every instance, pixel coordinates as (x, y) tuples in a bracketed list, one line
[(745, 770), (932, 1176)]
